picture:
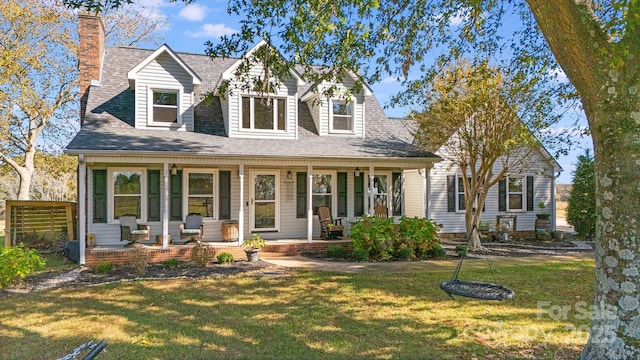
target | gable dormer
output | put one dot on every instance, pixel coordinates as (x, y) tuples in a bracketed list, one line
[(252, 109), (164, 88), (341, 114)]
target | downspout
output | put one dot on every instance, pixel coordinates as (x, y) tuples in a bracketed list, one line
[(82, 207)]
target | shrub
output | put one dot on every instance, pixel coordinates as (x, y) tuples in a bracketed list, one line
[(437, 252), (417, 233), (404, 253), (360, 254), (139, 260), (171, 263), (335, 251), (17, 262), (581, 209), (375, 235), (461, 250), (103, 268), (225, 257), (202, 254)]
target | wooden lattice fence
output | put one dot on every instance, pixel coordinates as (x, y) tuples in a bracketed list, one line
[(39, 223)]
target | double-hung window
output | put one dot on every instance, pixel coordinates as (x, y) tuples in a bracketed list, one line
[(164, 107), (260, 113), (200, 192), (515, 193), (341, 116), (127, 186), (460, 194), (322, 191)]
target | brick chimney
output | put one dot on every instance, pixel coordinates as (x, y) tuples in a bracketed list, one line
[(90, 54)]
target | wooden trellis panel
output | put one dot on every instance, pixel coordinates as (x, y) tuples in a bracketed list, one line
[(44, 218)]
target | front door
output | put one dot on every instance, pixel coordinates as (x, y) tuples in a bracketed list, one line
[(264, 209)]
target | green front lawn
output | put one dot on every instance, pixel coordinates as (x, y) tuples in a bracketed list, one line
[(308, 315)]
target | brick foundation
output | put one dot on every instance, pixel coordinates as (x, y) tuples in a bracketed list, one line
[(120, 256)]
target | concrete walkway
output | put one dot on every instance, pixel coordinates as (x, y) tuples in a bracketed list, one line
[(301, 262)]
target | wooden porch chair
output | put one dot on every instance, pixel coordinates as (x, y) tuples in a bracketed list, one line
[(131, 231), (328, 228), (192, 228), (380, 211)]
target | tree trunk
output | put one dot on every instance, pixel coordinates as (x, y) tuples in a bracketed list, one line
[(26, 174), (615, 326)]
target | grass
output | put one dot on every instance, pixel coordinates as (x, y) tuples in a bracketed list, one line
[(308, 315)]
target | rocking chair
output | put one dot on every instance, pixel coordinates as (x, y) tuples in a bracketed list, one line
[(328, 228)]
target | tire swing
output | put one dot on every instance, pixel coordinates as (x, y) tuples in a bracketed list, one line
[(476, 289)]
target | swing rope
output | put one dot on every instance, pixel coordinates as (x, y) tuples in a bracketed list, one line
[(476, 289)]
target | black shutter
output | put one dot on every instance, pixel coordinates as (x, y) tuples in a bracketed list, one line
[(342, 194), (502, 195), (397, 193), (301, 195), (153, 195), (99, 196), (529, 193), (358, 195), (451, 193), (225, 195), (175, 197)]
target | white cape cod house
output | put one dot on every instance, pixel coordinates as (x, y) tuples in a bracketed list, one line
[(151, 146)]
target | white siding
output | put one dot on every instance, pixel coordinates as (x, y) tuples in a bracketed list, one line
[(414, 189), (287, 90), (454, 222), (320, 110), (164, 73)]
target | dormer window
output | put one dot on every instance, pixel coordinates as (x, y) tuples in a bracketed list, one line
[(260, 113), (341, 116), (164, 107)]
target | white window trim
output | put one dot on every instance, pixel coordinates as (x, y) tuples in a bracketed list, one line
[(458, 193), (111, 192), (522, 193), (334, 187), (352, 102), (252, 128), (185, 190), (388, 191), (252, 195), (179, 93)]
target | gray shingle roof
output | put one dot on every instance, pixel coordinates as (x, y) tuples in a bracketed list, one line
[(109, 122)]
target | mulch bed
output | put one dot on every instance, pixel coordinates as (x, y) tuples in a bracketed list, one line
[(86, 277)]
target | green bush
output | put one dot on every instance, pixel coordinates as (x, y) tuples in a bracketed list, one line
[(581, 208), (437, 252), (225, 257), (383, 239), (461, 250), (202, 254), (375, 235), (404, 253), (420, 234), (171, 263), (103, 268), (335, 251), (360, 254), (18, 262)]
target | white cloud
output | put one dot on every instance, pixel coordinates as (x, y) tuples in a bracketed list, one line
[(389, 80), (456, 20), (193, 12), (211, 31)]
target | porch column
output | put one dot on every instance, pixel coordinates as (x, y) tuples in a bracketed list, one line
[(371, 176), (241, 211), (310, 204), (82, 206), (165, 206)]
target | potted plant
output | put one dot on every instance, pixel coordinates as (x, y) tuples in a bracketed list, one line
[(557, 235), (252, 247), (542, 214)]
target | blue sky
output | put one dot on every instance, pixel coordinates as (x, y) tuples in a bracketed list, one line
[(192, 25)]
